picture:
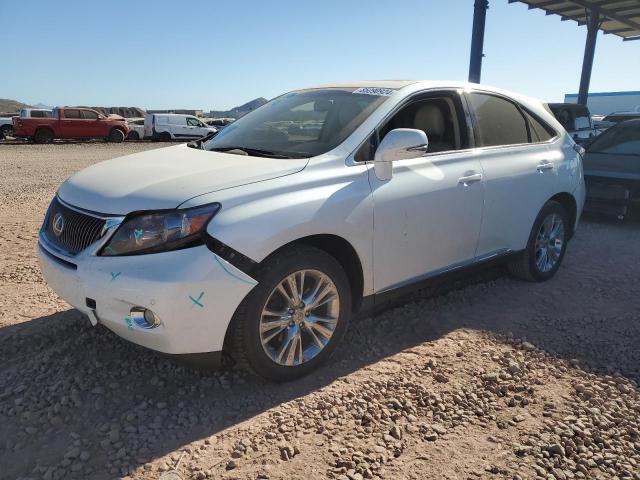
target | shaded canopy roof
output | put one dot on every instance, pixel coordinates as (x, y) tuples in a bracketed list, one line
[(619, 17)]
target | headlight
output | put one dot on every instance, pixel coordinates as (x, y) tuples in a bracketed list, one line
[(159, 232)]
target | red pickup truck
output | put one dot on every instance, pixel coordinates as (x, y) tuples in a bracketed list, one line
[(71, 122)]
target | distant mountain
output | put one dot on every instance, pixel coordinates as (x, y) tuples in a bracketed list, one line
[(11, 106), (43, 106), (237, 112)]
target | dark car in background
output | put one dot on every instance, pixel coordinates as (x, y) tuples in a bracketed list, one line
[(576, 120), (612, 170)]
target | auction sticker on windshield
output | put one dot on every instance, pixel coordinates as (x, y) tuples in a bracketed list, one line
[(385, 92)]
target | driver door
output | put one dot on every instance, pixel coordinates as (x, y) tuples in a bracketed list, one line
[(427, 217), (195, 128)]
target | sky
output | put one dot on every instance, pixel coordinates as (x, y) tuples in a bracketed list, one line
[(219, 54)]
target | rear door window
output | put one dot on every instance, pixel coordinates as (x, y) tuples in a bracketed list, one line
[(40, 114), (498, 121), (582, 120), (72, 114)]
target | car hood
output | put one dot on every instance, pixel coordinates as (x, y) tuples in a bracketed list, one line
[(166, 177)]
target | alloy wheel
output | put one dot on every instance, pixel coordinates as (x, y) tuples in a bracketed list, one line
[(299, 317), (549, 242)]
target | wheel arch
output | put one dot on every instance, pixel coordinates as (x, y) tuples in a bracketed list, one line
[(43, 128), (346, 255), (568, 201)]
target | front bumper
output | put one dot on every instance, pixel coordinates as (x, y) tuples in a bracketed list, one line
[(193, 291)]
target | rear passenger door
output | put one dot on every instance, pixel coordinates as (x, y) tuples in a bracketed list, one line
[(179, 127), (70, 123), (518, 172)]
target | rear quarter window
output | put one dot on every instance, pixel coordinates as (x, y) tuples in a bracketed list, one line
[(540, 131)]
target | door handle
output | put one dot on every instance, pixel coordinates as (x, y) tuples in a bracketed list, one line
[(469, 179), (546, 165)]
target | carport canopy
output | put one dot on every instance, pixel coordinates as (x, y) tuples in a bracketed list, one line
[(616, 17)]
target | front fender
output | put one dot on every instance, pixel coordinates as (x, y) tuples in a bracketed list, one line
[(260, 218)]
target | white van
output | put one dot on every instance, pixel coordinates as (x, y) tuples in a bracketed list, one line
[(174, 126)]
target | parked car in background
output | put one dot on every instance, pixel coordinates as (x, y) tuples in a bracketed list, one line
[(612, 170), (6, 127), (72, 123), (575, 119), (219, 123), (136, 128), (263, 244), (174, 126)]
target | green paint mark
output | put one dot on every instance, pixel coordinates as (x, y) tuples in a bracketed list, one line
[(129, 323), (115, 275), (109, 250), (196, 301), (138, 233)]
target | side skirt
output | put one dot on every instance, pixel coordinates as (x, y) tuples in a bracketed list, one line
[(379, 302)]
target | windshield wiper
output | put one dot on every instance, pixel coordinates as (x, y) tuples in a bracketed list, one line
[(199, 143), (252, 151)]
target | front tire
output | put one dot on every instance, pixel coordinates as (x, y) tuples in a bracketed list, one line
[(292, 321), (6, 131), (546, 246), (116, 136), (133, 135)]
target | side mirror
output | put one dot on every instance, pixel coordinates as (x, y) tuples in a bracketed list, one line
[(398, 144)]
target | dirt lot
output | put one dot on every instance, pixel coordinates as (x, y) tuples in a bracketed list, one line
[(493, 378)]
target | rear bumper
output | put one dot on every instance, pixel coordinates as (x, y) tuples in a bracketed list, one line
[(193, 292)]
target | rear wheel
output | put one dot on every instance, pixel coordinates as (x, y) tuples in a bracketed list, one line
[(43, 135), (546, 246), (165, 136), (291, 322), (116, 136)]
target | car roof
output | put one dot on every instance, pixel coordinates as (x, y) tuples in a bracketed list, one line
[(174, 114), (416, 85)]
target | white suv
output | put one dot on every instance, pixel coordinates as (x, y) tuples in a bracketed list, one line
[(264, 240)]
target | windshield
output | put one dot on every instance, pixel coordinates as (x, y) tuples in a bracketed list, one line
[(300, 124)]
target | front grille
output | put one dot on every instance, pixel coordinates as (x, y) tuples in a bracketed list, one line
[(79, 230)]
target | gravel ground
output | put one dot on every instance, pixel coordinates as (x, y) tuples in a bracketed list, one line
[(486, 378)]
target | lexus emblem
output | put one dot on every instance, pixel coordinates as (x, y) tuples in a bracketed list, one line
[(58, 224)]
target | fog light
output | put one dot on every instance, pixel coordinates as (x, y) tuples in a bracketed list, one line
[(144, 318)]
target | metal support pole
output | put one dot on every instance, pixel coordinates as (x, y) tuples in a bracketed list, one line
[(593, 25), (477, 40)]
